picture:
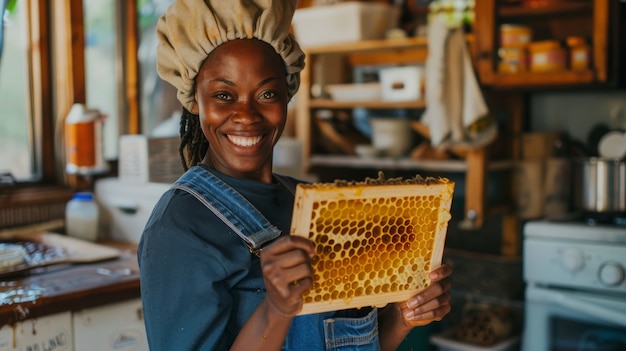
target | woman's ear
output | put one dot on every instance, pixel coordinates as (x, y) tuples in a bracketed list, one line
[(195, 110)]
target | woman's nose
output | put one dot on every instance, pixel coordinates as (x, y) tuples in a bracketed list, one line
[(246, 112)]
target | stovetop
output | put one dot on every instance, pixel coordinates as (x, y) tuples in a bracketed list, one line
[(579, 230)]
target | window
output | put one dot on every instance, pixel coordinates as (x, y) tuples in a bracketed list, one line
[(102, 68), (43, 70), (158, 98), (56, 53), (16, 124)]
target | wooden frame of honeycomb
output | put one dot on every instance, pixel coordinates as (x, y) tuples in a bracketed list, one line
[(376, 241)]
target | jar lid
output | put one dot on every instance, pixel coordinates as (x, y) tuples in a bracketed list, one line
[(544, 45), (613, 145), (575, 41), (511, 50), (83, 196), (510, 26)]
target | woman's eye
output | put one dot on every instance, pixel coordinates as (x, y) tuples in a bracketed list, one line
[(222, 96), (268, 94)]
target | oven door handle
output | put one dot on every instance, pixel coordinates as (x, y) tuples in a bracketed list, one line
[(599, 312)]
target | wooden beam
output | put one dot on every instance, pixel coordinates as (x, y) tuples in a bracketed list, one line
[(600, 38), (41, 92), (130, 72), (303, 122), (476, 160), (68, 87), (484, 51), (511, 236)]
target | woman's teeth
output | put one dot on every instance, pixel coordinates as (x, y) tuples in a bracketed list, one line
[(244, 141)]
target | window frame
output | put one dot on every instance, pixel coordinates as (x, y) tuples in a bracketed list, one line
[(56, 60)]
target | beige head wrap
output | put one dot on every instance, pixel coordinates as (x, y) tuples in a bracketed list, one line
[(190, 29)]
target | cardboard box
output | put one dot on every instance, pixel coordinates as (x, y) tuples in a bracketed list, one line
[(539, 145), (147, 159)]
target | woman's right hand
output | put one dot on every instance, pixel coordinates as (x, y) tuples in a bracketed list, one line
[(287, 272)]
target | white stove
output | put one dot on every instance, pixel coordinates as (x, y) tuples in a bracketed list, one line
[(575, 277), (576, 255)]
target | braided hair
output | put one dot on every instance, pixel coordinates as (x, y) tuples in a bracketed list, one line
[(193, 144)]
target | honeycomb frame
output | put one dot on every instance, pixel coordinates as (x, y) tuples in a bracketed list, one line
[(368, 251)]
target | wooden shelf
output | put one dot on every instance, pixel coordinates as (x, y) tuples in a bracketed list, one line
[(455, 166), (590, 19), (563, 8), (369, 46), (549, 79), (327, 103)]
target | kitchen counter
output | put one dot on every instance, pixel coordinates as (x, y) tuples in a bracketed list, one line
[(70, 287)]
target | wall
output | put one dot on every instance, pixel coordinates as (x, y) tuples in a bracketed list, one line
[(577, 112)]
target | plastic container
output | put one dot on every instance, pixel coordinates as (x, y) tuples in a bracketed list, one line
[(401, 83), (445, 341), (126, 207), (344, 22), (81, 217), (355, 91)]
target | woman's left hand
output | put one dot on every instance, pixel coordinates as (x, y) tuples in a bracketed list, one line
[(431, 304)]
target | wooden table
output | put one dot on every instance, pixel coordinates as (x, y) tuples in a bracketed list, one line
[(70, 287)]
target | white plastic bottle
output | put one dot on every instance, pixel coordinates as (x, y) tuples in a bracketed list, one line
[(81, 217)]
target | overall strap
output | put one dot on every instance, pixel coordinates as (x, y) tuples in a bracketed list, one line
[(287, 183), (229, 206)]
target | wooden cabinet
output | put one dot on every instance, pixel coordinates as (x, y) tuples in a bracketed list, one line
[(408, 51), (596, 21)]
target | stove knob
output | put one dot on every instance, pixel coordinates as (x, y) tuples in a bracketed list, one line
[(573, 259), (611, 274)]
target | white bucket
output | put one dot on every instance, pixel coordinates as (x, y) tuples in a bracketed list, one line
[(392, 137), (287, 157)]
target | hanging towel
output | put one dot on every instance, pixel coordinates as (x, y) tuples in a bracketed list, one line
[(454, 101)]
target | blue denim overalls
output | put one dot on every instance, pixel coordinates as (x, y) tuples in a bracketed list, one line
[(336, 331)]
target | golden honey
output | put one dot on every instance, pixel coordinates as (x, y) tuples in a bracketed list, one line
[(376, 241), (579, 53), (546, 56)]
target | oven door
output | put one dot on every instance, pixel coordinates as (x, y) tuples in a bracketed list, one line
[(565, 320)]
